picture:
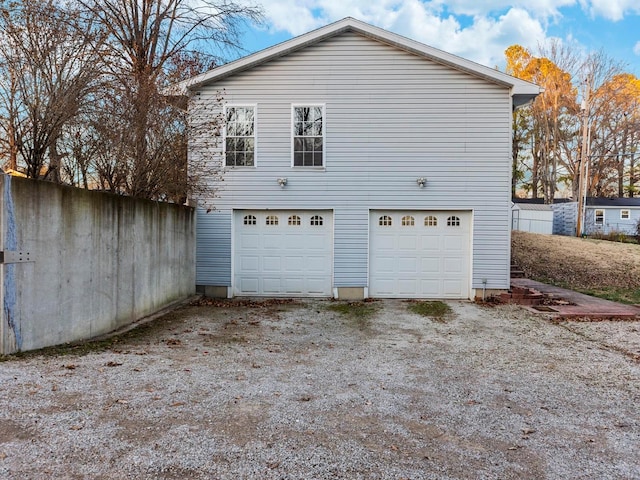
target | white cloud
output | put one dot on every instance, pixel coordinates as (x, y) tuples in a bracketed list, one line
[(484, 41), (540, 8), (611, 9), (636, 49), (293, 16)]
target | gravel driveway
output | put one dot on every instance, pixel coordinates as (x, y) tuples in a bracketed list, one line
[(276, 390)]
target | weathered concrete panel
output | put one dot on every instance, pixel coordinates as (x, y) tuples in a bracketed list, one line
[(97, 261)]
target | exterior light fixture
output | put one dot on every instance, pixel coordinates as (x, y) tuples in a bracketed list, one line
[(421, 182), (282, 182)]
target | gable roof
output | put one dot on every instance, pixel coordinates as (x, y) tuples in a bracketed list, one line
[(521, 91), (613, 202)]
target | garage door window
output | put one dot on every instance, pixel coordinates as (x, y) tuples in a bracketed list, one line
[(453, 221), (272, 220), (294, 220), (430, 221), (385, 221), (250, 220), (408, 221), (316, 221)]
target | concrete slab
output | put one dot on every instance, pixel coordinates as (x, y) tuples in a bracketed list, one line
[(584, 306)]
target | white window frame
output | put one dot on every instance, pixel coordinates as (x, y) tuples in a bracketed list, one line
[(623, 216), (255, 134), (595, 217), (324, 130)]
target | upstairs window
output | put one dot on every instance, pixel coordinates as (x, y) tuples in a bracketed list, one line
[(625, 214), (239, 143), (308, 136)]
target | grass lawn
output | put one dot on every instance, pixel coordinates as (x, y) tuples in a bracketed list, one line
[(599, 268)]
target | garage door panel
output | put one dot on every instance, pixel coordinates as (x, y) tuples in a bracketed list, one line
[(407, 265), (386, 242), (453, 243), (250, 285), (293, 264), (250, 242), (317, 286), (430, 288), (407, 287), (271, 285), (430, 265), (453, 265), (407, 242), (272, 241), (430, 258), (292, 257), (294, 285), (386, 264), (295, 241), (250, 263), (271, 264), (315, 242), (315, 265), (430, 243), (452, 288)]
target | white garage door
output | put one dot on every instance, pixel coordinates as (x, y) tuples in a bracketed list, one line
[(419, 254), (282, 253)]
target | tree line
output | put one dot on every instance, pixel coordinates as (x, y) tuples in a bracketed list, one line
[(82, 83), (586, 122), (82, 100)]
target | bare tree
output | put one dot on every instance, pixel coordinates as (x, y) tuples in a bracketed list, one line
[(49, 63), (144, 145)]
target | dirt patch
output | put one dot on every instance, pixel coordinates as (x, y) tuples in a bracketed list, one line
[(287, 391)]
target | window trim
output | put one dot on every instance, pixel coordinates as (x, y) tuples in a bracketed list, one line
[(255, 135), (324, 130), (595, 216), (622, 217)]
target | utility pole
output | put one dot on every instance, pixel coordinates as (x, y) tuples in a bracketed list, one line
[(584, 158)]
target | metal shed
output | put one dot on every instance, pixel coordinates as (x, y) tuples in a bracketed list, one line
[(534, 218)]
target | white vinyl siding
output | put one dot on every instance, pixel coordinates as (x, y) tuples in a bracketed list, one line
[(393, 117)]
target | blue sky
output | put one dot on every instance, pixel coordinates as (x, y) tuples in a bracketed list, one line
[(479, 30)]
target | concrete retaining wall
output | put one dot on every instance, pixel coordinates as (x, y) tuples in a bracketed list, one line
[(86, 263)]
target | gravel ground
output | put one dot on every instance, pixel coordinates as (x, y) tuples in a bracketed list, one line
[(293, 391)]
